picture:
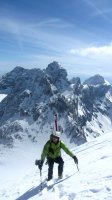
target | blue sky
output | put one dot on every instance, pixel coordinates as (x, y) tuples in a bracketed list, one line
[(75, 33)]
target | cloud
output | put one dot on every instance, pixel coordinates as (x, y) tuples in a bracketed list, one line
[(44, 33), (38, 44), (55, 23), (93, 51)]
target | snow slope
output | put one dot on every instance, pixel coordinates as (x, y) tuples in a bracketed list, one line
[(20, 178)]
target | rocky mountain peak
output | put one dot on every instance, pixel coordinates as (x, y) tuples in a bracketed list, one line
[(95, 80), (55, 70), (57, 75)]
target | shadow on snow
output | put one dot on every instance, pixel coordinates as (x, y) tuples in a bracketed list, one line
[(34, 191)]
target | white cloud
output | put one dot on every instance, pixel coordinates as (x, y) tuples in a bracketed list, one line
[(93, 51)]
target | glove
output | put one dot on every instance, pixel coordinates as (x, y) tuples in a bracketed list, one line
[(39, 163), (75, 159)]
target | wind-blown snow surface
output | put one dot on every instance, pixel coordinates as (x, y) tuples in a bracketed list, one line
[(20, 178)]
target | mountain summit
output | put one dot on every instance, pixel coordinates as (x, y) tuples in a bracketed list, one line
[(32, 96)]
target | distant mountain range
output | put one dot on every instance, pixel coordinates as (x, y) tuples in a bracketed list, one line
[(32, 96)]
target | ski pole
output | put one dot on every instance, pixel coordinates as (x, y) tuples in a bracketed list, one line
[(38, 163), (77, 166), (41, 179)]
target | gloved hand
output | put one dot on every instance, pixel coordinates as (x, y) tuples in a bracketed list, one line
[(39, 163), (75, 159)]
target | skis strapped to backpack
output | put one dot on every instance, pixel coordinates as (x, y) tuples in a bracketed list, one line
[(56, 121)]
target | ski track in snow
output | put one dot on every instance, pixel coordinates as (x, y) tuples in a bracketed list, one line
[(92, 182)]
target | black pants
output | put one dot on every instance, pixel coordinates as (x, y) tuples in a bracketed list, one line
[(51, 161)]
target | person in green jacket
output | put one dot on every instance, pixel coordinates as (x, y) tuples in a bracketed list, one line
[(52, 151)]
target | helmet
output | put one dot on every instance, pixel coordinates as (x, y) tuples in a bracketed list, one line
[(56, 134)]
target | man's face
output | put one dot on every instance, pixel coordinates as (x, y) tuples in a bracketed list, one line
[(55, 139)]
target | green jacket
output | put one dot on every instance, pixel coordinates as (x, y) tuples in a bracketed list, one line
[(53, 150)]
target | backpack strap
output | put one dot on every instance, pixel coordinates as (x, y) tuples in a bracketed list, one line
[(50, 148), (60, 144)]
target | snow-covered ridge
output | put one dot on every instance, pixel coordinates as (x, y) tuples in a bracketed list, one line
[(33, 96), (20, 178)]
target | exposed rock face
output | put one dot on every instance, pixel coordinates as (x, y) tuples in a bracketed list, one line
[(57, 75), (33, 96)]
